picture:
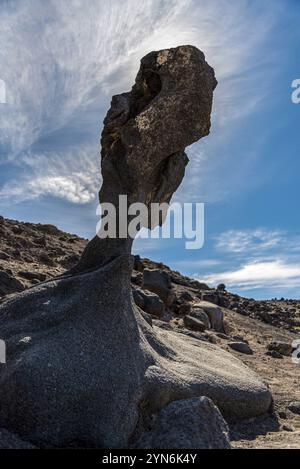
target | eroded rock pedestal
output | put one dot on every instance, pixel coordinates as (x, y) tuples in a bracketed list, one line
[(83, 366)]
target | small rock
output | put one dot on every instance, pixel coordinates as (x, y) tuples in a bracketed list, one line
[(274, 354), (287, 428), (9, 284), (49, 229), (138, 264), (241, 347), (283, 348), (223, 336), (294, 407), (214, 313), (201, 315), (239, 338), (184, 309), (194, 324), (137, 278), (211, 297), (32, 275), (282, 414), (186, 296), (187, 424), (157, 281), (138, 298), (4, 256), (152, 304)]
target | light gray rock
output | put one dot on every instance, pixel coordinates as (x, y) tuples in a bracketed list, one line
[(158, 282), (187, 424), (214, 313), (194, 324), (153, 305), (200, 314)]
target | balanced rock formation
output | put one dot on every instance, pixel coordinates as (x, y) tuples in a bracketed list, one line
[(145, 134), (84, 366)]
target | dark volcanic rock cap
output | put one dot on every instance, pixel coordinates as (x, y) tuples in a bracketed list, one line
[(147, 130)]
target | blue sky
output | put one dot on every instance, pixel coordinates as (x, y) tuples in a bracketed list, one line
[(62, 61)]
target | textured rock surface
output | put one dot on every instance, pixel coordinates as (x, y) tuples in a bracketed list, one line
[(188, 424), (84, 368), (214, 313), (241, 347), (146, 132), (9, 440), (91, 364), (283, 348)]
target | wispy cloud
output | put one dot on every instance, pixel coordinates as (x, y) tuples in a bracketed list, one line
[(73, 176), (256, 259), (63, 60), (249, 241)]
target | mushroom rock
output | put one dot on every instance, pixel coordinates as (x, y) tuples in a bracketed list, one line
[(84, 368), (145, 134)]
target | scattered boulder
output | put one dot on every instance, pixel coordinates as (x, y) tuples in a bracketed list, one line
[(152, 304), (201, 315), (32, 275), (138, 298), (158, 282), (214, 313), (294, 407), (185, 296), (9, 284), (184, 309), (210, 297), (138, 264), (274, 354), (194, 324), (49, 229), (283, 348), (4, 256), (288, 428), (188, 424), (241, 347)]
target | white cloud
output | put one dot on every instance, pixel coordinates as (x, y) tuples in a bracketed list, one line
[(73, 176), (197, 263), (62, 61), (249, 241), (274, 274)]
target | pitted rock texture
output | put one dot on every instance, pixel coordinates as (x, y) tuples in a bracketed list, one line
[(85, 369)]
